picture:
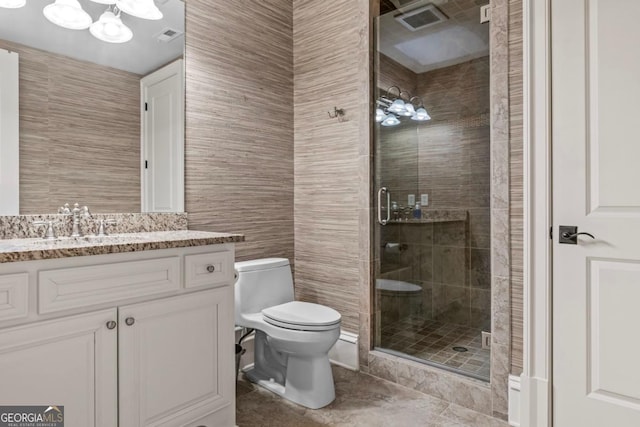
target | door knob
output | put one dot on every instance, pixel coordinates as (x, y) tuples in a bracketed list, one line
[(211, 268), (569, 234), (129, 321)]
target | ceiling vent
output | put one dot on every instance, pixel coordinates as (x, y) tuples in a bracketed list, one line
[(168, 34), (420, 18)]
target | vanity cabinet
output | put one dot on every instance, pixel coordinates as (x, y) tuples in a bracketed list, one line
[(70, 361), (159, 355)]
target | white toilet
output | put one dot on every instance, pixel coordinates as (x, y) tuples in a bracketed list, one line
[(292, 338)]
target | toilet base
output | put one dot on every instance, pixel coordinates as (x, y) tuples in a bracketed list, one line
[(309, 381)]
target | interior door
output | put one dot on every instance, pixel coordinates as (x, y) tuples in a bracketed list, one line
[(163, 139), (596, 178)]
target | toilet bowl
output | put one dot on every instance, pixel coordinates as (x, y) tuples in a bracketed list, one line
[(292, 339)]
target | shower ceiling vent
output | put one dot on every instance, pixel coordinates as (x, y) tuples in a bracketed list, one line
[(420, 18), (168, 34)]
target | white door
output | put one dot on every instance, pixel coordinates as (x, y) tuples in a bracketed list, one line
[(596, 187), (70, 362), (162, 95), (176, 360), (9, 133)]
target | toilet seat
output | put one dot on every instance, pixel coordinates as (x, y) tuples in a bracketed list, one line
[(302, 316)]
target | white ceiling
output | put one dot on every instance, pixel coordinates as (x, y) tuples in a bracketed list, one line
[(143, 54), (459, 39)]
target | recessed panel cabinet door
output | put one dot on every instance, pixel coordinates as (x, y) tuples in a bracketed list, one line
[(69, 362), (176, 360)]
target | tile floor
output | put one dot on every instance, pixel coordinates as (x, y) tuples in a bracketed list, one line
[(361, 401), (434, 341)]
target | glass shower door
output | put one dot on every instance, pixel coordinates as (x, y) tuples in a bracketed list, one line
[(432, 181)]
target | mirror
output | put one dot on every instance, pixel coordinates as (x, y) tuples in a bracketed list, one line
[(100, 123)]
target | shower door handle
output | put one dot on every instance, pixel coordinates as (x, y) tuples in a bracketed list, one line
[(380, 219)]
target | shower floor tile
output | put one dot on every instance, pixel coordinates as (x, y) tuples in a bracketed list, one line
[(434, 342)]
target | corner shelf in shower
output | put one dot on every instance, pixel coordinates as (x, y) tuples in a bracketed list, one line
[(431, 216)]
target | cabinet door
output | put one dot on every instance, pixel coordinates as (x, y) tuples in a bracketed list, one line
[(176, 360), (70, 362)]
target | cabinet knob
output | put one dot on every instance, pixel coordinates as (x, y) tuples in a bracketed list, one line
[(111, 324), (211, 268), (129, 321)]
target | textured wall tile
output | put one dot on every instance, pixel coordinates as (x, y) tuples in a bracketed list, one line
[(331, 50), (239, 123)]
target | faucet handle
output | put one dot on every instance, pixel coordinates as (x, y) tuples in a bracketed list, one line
[(102, 226), (50, 234), (64, 210)]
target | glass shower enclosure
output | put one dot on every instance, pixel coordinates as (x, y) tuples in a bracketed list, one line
[(432, 179)]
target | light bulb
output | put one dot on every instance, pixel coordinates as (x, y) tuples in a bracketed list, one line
[(145, 9), (421, 115), (380, 115), (12, 4), (397, 106), (109, 28), (390, 120), (67, 14)]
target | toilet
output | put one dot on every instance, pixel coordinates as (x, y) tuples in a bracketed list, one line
[(292, 338)]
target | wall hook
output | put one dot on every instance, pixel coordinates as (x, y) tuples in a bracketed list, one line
[(337, 113)]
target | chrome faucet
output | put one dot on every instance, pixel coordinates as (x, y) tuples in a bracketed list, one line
[(77, 212)]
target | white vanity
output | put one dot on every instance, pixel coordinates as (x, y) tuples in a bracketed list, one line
[(131, 330)]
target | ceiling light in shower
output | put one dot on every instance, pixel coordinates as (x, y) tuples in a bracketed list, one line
[(391, 120), (397, 106), (12, 4), (145, 9), (104, 1), (67, 14), (390, 109), (109, 28), (421, 115)]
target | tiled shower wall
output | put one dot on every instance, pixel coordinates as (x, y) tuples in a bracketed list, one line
[(68, 152), (239, 122), (447, 158)]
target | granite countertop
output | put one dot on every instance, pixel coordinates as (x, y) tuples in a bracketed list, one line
[(14, 250)]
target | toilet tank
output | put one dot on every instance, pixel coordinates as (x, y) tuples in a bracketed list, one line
[(262, 283)]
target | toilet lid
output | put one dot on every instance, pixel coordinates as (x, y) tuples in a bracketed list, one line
[(302, 316)]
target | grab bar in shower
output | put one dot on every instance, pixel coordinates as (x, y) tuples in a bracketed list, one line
[(380, 220)]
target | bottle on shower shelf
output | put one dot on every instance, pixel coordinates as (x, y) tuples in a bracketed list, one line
[(417, 212)]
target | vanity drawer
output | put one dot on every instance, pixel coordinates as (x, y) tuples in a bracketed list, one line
[(69, 288), (14, 293), (208, 269)]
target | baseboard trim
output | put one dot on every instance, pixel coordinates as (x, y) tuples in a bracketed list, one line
[(514, 400), (535, 402), (345, 352)]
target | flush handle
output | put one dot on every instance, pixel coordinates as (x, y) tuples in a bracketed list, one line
[(569, 234)]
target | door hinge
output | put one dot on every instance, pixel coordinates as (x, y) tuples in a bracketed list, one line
[(146, 106), (486, 339), (551, 232), (485, 13), (146, 164)]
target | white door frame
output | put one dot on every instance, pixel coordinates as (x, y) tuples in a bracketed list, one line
[(536, 398)]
